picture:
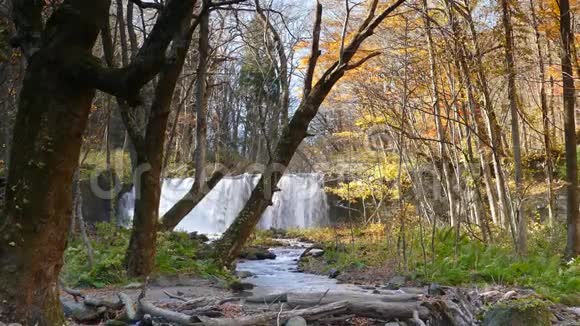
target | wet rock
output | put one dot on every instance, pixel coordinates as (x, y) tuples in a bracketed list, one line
[(317, 253), (333, 273), (146, 321), (395, 283), (81, 312), (244, 274), (237, 286), (435, 289), (198, 237), (313, 251), (296, 321), (519, 313), (256, 253)]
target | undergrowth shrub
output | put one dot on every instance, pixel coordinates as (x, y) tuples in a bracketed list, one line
[(176, 254), (462, 260)]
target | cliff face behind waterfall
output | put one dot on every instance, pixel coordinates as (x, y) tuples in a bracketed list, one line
[(301, 203)]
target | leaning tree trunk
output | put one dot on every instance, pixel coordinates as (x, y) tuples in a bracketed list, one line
[(231, 243), (43, 161), (573, 243)]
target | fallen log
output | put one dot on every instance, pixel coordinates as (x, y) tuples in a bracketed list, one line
[(197, 303), (364, 305), (313, 298), (96, 302), (314, 313), (145, 307), (174, 296), (268, 299), (130, 311)]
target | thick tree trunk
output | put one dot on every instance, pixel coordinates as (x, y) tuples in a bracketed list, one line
[(573, 243), (43, 161), (140, 257), (54, 105)]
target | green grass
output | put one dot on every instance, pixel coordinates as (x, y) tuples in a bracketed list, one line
[(474, 264), (95, 163), (176, 254)]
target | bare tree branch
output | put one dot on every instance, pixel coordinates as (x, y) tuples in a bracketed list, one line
[(148, 5), (314, 50), (359, 63)]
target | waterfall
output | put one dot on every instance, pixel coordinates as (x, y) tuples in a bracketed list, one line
[(301, 203)]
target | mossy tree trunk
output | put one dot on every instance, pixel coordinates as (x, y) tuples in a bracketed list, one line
[(55, 100), (43, 161)]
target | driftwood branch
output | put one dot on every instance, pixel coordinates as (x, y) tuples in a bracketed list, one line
[(147, 307), (267, 318), (130, 311)]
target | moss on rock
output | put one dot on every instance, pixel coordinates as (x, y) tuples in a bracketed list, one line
[(522, 312)]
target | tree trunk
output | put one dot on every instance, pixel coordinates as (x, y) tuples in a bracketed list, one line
[(55, 101), (517, 215), (43, 161), (140, 257), (443, 153), (492, 126), (201, 100), (231, 243), (186, 204), (198, 190), (573, 243), (545, 118)]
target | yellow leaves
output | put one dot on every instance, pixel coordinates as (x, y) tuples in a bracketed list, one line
[(367, 120), (346, 134)]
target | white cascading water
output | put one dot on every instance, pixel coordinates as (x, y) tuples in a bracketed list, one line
[(301, 203)]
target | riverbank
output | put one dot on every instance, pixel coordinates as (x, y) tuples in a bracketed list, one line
[(280, 294), (366, 255)]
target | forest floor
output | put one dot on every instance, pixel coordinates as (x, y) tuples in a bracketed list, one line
[(173, 293)]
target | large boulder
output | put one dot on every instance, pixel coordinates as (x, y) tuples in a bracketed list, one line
[(522, 312)]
